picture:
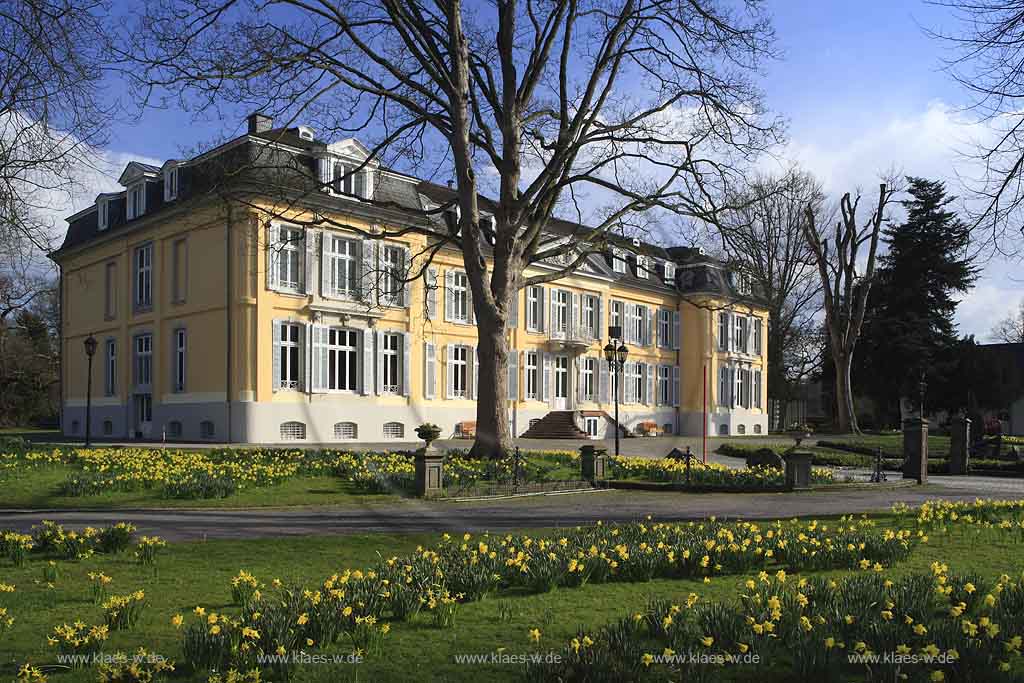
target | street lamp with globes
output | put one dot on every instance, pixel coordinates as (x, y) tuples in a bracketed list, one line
[(616, 357), (90, 351)]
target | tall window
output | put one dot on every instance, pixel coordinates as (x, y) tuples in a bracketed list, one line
[(642, 266), (103, 214), (460, 375), (532, 375), (342, 360), (618, 261), (179, 270), (291, 370), (393, 263), (638, 384), (144, 276), (723, 331), (342, 180), (638, 324), (587, 384), (171, 183), (110, 290), (286, 258), (110, 374), (742, 334), (664, 385), (136, 200), (724, 386), (534, 309), (670, 272), (757, 388), (616, 317), (664, 328), (757, 336), (739, 397), (342, 264), (590, 324), (179, 359), (559, 310), (460, 296), (392, 363), (144, 359)]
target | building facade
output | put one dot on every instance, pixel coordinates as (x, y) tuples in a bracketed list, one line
[(235, 318)]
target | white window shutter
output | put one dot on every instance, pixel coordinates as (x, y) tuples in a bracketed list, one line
[(271, 259), (578, 365), (367, 361), (324, 167), (599, 332), (512, 320), (429, 369), (475, 360), (430, 290), (304, 357), (541, 293), (379, 355), (449, 296), (449, 384), (546, 381), (406, 275), (318, 360), (675, 385), (677, 330), (406, 363), (602, 382), (649, 370), (550, 313), (276, 380), (325, 269), (309, 259), (513, 376), (757, 388), (574, 313), (651, 320), (370, 271)]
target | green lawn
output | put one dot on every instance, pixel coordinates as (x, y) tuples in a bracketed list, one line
[(191, 574), (39, 487)]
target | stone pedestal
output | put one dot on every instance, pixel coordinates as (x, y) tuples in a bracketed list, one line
[(798, 470), (593, 461), (959, 445), (429, 472), (915, 450)]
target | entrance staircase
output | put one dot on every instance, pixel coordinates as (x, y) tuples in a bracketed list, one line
[(558, 424)]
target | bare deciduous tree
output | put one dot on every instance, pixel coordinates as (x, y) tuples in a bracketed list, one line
[(53, 111), (764, 235), (1010, 330), (627, 107), (844, 288)]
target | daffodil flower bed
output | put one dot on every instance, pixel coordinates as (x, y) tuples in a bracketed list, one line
[(709, 475), (922, 627), (49, 538)]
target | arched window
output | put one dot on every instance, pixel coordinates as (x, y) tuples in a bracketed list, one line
[(757, 429), (293, 431), (741, 429), (345, 430), (723, 430), (174, 429), (206, 429), (394, 430)]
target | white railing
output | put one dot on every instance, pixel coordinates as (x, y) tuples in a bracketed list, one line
[(576, 333)]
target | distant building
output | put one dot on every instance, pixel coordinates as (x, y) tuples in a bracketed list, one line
[(1008, 361)]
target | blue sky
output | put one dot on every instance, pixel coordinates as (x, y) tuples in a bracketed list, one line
[(860, 83)]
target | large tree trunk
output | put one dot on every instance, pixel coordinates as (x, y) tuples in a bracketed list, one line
[(846, 413), (493, 438)]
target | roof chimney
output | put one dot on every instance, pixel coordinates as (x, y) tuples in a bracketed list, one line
[(259, 123)]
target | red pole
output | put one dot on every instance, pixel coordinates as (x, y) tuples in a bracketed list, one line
[(704, 424)]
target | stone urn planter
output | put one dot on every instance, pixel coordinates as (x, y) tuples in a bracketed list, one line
[(428, 433)]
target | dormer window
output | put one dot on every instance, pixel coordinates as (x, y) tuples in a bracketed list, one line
[(136, 200), (306, 133), (740, 282), (642, 266), (670, 272), (618, 260), (170, 183), (102, 214)]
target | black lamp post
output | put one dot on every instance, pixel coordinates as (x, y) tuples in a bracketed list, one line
[(90, 351), (923, 386), (616, 357)]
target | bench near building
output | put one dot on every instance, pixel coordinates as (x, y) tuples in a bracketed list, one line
[(232, 320)]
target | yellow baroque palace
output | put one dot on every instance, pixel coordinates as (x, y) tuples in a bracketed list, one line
[(233, 318)]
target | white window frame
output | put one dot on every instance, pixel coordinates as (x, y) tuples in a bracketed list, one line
[(460, 371), (665, 385), (392, 261), (393, 430), (589, 315), (180, 350), (664, 328), (588, 377), (560, 302), (638, 324), (343, 343), (460, 297), (724, 331), (757, 389), (742, 342), (618, 261), (758, 337), (391, 382), (342, 261), (724, 387), (290, 367), (286, 250), (534, 308), (616, 316), (670, 272), (143, 359), (144, 276), (642, 266), (136, 200), (171, 184), (102, 214), (531, 370)]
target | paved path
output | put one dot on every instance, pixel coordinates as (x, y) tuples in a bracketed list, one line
[(495, 515)]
